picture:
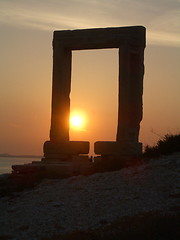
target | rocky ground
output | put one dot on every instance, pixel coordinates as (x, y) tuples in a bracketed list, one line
[(140, 201)]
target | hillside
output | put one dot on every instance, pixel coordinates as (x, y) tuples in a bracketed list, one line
[(140, 201)]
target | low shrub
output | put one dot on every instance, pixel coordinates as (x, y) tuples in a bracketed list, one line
[(165, 146)]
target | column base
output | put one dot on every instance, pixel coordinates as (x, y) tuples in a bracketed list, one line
[(64, 150), (118, 148), (116, 155)]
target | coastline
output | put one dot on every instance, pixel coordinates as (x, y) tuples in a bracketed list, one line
[(7, 162), (20, 156)]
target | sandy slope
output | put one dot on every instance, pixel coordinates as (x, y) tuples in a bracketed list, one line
[(86, 202)]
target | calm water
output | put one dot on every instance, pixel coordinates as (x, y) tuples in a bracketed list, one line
[(7, 162)]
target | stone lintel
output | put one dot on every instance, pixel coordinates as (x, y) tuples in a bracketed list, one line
[(118, 148), (99, 38), (66, 147)]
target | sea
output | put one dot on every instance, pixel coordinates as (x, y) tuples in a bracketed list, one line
[(7, 162)]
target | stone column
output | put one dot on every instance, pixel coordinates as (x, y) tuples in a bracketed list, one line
[(131, 71), (130, 93), (59, 147), (123, 97), (60, 94)]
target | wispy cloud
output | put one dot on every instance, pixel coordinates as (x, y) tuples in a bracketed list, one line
[(163, 38), (36, 19), (161, 17)]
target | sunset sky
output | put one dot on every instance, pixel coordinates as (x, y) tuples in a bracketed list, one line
[(26, 31)]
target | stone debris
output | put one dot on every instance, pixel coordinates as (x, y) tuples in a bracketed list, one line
[(60, 206)]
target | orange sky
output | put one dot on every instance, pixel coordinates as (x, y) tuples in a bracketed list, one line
[(26, 66)]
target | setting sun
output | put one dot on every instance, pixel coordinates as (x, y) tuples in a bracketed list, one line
[(77, 121)]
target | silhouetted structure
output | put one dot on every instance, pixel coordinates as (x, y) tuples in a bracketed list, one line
[(64, 158), (131, 42)]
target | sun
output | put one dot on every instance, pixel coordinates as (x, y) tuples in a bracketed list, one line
[(77, 121)]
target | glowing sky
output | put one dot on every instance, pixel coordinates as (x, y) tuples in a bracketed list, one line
[(26, 29)]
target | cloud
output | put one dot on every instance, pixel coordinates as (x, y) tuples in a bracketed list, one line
[(161, 17), (36, 19), (57, 15), (163, 38), (167, 21), (165, 29)]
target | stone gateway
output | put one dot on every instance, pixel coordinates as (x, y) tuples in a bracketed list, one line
[(131, 44)]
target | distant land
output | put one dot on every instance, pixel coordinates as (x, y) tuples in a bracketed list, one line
[(19, 156)]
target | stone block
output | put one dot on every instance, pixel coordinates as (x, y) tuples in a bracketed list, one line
[(118, 148), (66, 148)]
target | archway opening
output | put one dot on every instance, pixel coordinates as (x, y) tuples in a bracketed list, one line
[(94, 95)]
